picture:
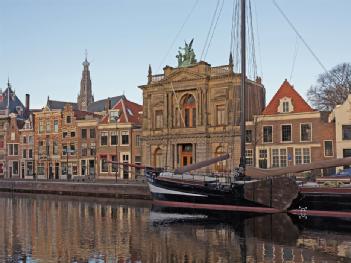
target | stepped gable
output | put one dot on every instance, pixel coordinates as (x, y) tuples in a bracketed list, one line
[(286, 90), (130, 112)]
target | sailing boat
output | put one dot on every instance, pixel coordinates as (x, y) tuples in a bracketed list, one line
[(236, 192)]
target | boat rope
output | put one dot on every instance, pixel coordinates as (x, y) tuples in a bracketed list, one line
[(210, 29), (251, 42), (178, 105), (178, 33), (214, 29), (258, 41), (294, 58), (299, 35)]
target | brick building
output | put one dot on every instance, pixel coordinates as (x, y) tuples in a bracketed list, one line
[(191, 113), (289, 132), (119, 134), (27, 147), (48, 143)]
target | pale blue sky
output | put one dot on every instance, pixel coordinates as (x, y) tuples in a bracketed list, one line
[(42, 42)]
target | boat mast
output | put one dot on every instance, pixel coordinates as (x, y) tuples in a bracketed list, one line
[(242, 89)]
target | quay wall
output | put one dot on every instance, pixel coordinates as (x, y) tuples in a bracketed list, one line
[(111, 190)]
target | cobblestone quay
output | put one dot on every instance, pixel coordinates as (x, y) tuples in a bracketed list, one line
[(120, 190)]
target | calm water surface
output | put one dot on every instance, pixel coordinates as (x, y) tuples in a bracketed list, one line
[(67, 229)]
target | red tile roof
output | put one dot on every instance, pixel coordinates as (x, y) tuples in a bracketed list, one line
[(287, 90), (130, 112)]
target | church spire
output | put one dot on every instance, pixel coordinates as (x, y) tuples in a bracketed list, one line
[(85, 96)]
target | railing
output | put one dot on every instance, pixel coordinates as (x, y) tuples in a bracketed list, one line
[(157, 77), (220, 70)]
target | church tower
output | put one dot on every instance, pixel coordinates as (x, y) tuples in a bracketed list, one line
[(85, 96)]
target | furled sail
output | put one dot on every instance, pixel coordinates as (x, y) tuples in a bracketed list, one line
[(259, 172), (201, 164)]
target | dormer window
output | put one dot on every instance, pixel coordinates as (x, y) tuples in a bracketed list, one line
[(285, 105), (114, 115)]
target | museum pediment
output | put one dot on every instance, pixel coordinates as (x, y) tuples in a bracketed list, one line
[(183, 75)]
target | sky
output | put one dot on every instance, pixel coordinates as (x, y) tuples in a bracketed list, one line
[(43, 42)]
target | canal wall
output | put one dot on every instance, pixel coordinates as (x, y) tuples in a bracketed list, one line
[(137, 190)]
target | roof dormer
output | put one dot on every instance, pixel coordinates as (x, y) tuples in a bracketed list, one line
[(285, 105)]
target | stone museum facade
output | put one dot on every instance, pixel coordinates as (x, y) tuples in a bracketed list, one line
[(191, 113)]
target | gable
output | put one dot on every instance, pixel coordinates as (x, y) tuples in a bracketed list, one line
[(286, 93), (183, 75)]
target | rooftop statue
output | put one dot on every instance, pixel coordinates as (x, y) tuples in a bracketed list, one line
[(186, 55)]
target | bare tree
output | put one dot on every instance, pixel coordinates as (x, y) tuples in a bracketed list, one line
[(332, 88)]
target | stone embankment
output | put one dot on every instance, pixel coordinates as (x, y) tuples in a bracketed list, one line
[(119, 190)]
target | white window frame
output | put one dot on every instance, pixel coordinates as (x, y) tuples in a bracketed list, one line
[(281, 132), (302, 155), (310, 123), (123, 133), (324, 148), (263, 134)]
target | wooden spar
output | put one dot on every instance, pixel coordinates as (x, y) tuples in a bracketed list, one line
[(259, 173), (202, 164)]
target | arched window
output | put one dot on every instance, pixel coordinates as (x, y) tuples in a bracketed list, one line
[(158, 158), (189, 111), (220, 166)]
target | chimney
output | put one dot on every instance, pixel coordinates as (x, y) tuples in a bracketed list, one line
[(27, 101), (109, 103)]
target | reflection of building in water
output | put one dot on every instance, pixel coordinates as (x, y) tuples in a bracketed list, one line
[(51, 230)]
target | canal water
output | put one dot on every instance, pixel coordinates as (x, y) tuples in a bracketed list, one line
[(46, 228)]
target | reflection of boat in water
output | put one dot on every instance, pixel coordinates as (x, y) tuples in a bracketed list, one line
[(267, 238)]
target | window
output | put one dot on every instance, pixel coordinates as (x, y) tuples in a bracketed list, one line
[(92, 133), (83, 167), (114, 137), (286, 133), (103, 139), (2, 141), (220, 114), (47, 148), (285, 106), (103, 164), (84, 149), (68, 119), (114, 115), (248, 136), (125, 138), (189, 107), (30, 139), (262, 158), (1, 168), (13, 149), (279, 157), (48, 126), (158, 119), (40, 168), (24, 153), (15, 167), (125, 158), (73, 149), (137, 140), (305, 132), (137, 162), (73, 134), (114, 166), (346, 132), (84, 133), (92, 149), (41, 127), (64, 150), (249, 157), (302, 155), (328, 148), (267, 133), (30, 153), (64, 134), (55, 150), (24, 139), (55, 125)]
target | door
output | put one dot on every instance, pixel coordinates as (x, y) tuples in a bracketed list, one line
[(186, 154), (57, 170), (91, 167)]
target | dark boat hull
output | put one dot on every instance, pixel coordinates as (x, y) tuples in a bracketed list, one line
[(170, 193), (322, 201)]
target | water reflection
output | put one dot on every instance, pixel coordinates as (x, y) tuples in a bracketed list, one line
[(58, 229)]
